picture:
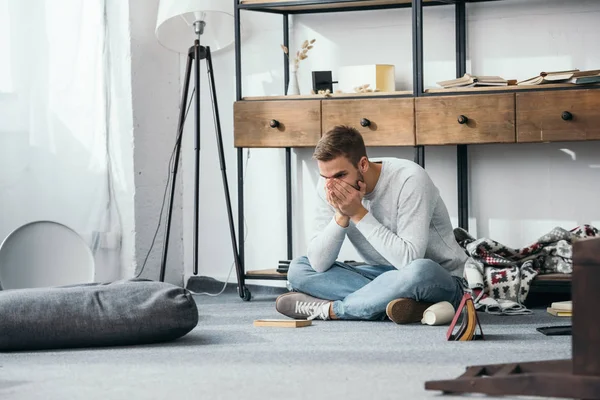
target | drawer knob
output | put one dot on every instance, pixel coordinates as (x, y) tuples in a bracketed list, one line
[(365, 122), (567, 116), (462, 119), (274, 123)]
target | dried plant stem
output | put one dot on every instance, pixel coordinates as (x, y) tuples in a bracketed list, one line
[(301, 54)]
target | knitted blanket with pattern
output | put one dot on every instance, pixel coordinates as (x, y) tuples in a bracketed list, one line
[(500, 276)]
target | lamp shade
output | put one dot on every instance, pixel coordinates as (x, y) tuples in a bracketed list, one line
[(175, 24)]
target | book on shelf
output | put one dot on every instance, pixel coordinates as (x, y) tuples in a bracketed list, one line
[(468, 80), (570, 76), (585, 80)]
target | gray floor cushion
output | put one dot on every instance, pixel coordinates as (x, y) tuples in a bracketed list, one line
[(120, 313)]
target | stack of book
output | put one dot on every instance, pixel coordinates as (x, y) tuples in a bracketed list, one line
[(574, 76), (468, 80), (561, 309)]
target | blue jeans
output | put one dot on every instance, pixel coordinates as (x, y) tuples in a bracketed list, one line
[(363, 292)]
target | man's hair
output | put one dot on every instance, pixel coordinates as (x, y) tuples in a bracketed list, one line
[(341, 141)]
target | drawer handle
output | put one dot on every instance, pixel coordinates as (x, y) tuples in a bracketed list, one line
[(462, 119), (567, 116), (274, 123), (365, 122)]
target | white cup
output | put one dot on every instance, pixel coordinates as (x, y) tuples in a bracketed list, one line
[(438, 314)]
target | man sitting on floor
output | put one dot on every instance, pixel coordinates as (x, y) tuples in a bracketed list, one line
[(394, 216)]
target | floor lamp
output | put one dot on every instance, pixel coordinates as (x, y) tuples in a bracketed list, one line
[(204, 24)]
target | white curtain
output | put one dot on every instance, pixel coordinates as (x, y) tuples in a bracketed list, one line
[(54, 113)]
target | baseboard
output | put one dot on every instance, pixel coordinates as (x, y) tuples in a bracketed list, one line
[(200, 284)]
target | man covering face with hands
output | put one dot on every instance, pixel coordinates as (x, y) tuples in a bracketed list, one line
[(393, 215)]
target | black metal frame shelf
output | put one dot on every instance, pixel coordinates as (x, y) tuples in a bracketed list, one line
[(293, 7), (418, 90)]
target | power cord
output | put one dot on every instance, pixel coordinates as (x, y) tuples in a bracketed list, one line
[(164, 201), (162, 207), (245, 236)]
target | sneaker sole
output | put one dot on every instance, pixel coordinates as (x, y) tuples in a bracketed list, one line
[(406, 311)]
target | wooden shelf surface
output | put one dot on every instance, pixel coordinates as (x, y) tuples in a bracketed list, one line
[(332, 96), (484, 89), (265, 274)]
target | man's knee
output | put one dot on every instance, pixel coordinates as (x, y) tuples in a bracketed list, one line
[(421, 270), (298, 271)]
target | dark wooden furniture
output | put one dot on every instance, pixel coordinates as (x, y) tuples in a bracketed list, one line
[(577, 378)]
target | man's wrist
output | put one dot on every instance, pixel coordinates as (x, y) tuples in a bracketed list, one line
[(359, 215), (342, 220)]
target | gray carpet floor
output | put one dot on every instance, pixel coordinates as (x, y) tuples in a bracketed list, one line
[(226, 357)]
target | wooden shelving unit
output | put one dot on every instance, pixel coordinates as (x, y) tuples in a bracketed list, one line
[(504, 114)]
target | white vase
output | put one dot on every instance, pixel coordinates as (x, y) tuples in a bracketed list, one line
[(293, 87)]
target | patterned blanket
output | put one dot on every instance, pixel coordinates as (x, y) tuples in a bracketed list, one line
[(500, 276)]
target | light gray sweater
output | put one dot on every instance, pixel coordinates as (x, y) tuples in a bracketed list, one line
[(406, 220)]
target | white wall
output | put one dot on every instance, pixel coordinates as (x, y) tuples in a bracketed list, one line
[(517, 192), (155, 96)]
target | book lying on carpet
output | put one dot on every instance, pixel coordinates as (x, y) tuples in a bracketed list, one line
[(559, 313), (468, 80), (570, 76), (282, 323), (562, 305), (561, 309)]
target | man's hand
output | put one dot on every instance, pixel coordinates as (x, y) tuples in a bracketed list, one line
[(346, 198), (341, 219)]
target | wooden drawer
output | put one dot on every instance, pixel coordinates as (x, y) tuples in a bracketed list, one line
[(277, 123), (382, 122), (558, 116), (469, 119)]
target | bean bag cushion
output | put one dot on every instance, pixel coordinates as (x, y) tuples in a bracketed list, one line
[(127, 312)]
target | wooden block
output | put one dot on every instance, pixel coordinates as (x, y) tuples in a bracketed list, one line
[(282, 323), (380, 77)]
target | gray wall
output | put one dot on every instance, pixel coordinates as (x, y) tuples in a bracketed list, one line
[(155, 98)]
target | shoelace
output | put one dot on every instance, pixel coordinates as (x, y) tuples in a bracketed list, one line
[(321, 312), (314, 310), (307, 307)]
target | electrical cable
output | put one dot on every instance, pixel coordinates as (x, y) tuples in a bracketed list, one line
[(164, 201), (171, 166), (245, 236)]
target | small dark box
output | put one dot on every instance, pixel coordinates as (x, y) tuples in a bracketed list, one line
[(322, 80)]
